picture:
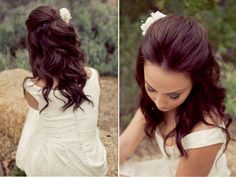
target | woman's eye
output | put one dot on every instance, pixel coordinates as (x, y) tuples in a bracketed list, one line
[(174, 97), (150, 89)]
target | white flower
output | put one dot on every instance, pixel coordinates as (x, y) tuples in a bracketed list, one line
[(65, 14), (150, 20)]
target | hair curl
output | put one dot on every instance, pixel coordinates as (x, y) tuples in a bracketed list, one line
[(182, 45), (55, 53)]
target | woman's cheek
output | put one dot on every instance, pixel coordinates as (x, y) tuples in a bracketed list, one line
[(177, 103), (181, 100)]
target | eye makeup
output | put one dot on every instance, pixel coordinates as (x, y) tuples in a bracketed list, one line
[(173, 95), (150, 89)]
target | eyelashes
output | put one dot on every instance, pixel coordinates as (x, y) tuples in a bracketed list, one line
[(150, 89), (173, 97)]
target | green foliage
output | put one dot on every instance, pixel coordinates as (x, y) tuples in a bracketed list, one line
[(17, 172), (194, 7), (96, 22), (4, 61), (221, 24), (129, 40), (218, 17), (133, 9), (229, 82), (12, 31), (21, 60)]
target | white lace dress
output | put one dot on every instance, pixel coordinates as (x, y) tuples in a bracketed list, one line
[(57, 142), (167, 167)]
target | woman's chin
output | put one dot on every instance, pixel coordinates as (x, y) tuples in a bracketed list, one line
[(164, 109), (167, 109)]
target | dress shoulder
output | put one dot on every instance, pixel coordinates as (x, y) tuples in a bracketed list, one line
[(94, 73), (31, 87), (93, 80), (203, 138)]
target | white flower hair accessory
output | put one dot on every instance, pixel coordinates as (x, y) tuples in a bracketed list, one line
[(150, 20), (65, 14)]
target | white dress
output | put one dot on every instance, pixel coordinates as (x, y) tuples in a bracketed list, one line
[(57, 142), (167, 166)]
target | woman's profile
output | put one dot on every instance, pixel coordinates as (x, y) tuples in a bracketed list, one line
[(60, 134)]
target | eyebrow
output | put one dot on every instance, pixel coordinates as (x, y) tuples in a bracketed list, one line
[(171, 93)]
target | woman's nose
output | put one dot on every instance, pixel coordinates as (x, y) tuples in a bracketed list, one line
[(160, 102)]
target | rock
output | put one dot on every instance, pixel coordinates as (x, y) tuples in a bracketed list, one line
[(13, 106)]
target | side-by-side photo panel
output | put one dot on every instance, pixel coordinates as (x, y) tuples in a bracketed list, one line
[(59, 88), (177, 88)]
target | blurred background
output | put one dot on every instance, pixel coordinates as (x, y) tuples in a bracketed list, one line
[(217, 16), (97, 24)]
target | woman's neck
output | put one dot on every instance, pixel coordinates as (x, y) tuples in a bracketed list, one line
[(170, 118)]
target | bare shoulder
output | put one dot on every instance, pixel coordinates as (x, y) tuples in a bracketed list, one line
[(214, 119), (209, 151), (194, 164)]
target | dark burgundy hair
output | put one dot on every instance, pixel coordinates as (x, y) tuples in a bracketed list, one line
[(54, 52), (182, 45)]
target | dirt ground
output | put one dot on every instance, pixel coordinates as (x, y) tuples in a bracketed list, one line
[(108, 121), (148, 150)]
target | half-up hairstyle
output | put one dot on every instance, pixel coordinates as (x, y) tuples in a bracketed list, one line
[(55, 53), (182, 45)]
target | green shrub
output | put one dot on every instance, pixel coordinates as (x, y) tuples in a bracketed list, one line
[(17, 172), (129, 43), (96, 22), (20, 61), (229, 82), (97, 25), (4, 60)]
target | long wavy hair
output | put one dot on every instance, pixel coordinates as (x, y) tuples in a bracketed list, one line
[(55, 53), (182, 45)]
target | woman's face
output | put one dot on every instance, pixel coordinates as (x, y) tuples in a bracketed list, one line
[(166, 88)]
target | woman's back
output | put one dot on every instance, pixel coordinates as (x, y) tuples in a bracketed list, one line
[(62, 136), (57, 100)]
